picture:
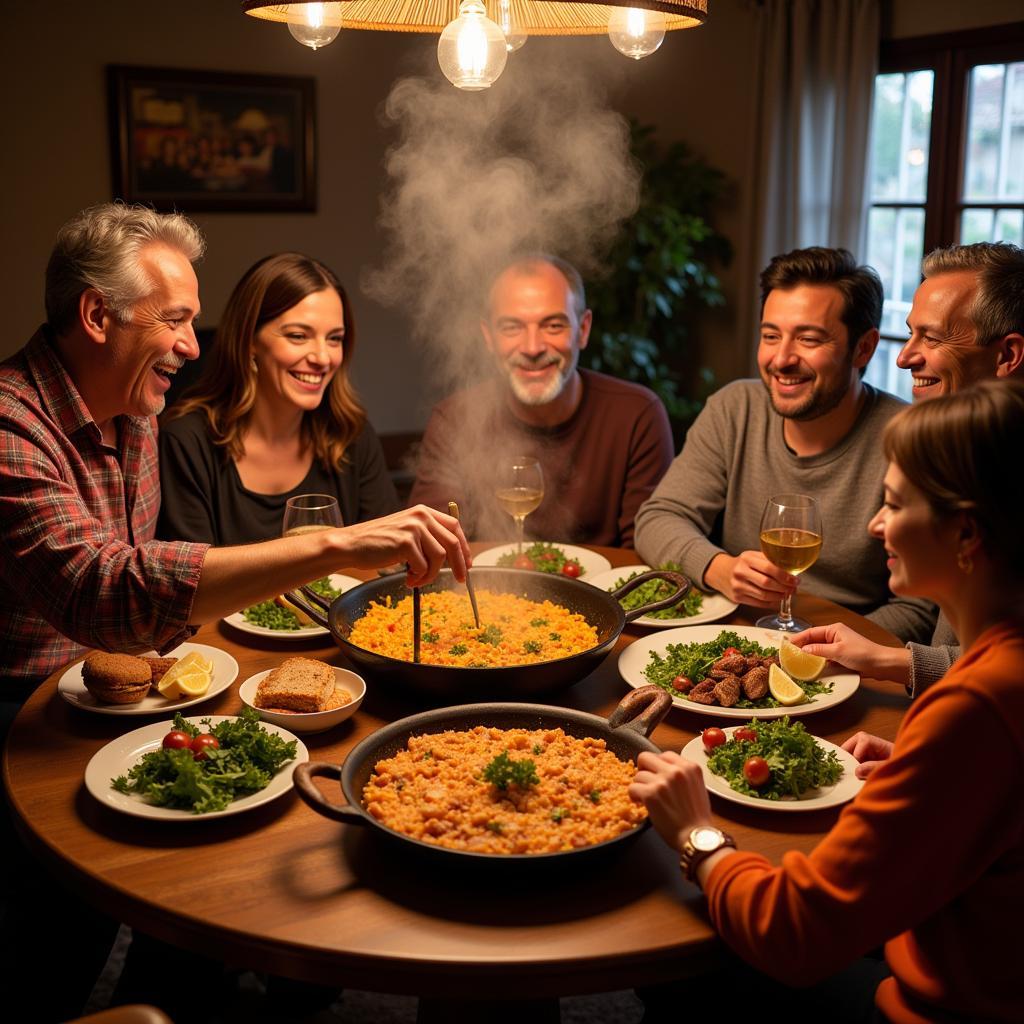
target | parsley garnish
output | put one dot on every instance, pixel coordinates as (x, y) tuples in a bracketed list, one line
[(503, 771)]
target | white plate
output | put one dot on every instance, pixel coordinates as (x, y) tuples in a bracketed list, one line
[(634, 659), (846, 788), (312, 721), (590, 561), (225, 671), (239, 621), (715, 606), (122, 754)]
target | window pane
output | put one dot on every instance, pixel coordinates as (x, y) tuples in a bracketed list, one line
[(976, 226), (900, 132), (995, 133), (1010, 226), (882, 371), (895, 250)]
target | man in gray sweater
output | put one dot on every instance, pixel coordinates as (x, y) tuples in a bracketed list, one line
[(966, 324), (809, 426)]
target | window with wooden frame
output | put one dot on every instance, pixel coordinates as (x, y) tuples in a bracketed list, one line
[(947, 163)]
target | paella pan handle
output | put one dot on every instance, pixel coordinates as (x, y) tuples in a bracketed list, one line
[(307, 789), (640, 711), (313, 604), (675, 578)]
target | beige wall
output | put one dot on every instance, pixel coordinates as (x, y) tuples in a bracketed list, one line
[(697, 88)]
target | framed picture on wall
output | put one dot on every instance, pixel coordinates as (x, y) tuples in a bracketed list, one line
[(203, 140)]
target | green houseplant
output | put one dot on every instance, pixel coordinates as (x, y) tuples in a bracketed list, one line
[(660, 276)]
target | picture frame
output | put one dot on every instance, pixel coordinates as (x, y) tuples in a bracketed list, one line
[(196, 141)]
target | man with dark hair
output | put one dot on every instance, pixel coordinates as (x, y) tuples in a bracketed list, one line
[(603, 444), (810, 426)]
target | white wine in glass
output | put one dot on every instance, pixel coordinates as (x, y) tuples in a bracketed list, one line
[(310, 513), (520, 490), (790, 539)]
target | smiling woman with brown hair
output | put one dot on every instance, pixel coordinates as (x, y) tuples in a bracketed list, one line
[(929, 857), (274, 414)]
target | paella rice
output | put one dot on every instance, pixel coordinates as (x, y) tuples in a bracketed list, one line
[(515, 631), (557, 792)]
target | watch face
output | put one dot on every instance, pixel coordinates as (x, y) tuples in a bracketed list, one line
[(707, 837)]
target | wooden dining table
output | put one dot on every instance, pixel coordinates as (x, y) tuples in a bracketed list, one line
[(282, 889)]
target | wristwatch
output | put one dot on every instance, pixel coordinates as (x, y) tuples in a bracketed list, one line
[(702, 841)]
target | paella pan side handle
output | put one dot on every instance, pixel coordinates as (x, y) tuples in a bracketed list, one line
[(313, 604), (311, 795), (677, 579), (641, 710)]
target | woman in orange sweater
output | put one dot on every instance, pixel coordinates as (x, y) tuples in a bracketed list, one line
[(929, 858)]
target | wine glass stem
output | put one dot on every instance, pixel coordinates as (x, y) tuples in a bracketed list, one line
[(520, 523), (785, 612)]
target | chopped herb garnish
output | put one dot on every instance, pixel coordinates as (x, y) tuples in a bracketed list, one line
[(495, 827), (537, 623), (458, 649), (595, 796), (431, 638), (491, 635), (554, 636), (503, 771), (538, 749), (532, 647), (559, 813)]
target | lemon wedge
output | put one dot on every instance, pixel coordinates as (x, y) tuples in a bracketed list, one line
[(194, 684), (783, 689), (193, 662), (799, 664), (304, 619)]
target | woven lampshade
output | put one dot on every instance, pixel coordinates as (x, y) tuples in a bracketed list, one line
[(534, 17)]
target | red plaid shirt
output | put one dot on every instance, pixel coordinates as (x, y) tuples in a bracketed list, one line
[(78, 564)]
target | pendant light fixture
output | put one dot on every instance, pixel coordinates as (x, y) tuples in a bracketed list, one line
[(478, 35)]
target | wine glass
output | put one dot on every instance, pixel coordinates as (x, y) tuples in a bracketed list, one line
[(790, 539), (519, 491), (309, 513)]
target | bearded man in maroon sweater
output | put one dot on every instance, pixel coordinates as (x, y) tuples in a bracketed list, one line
[(602, 443)]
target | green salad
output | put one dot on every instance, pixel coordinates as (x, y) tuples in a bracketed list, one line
[(693, 661), (271, 615), (797, 763), (542, 557), (658, 590), (243, 760)]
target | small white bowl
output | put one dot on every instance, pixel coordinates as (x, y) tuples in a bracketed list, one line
[(308, 721)]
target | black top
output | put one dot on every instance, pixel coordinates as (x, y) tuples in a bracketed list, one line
[(204, 499)]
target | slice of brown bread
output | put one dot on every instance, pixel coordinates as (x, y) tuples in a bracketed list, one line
[(297, 684), (116, 678)]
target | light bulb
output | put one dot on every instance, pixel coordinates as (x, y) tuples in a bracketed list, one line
[(634, 32), (509, 25), (471, 50), (314, 25)]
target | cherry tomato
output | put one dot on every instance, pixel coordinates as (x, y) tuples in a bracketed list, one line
[(712, 738), (572, 570), (730, 651), (201, 743), (756, 771), (682, 683), (523, 562), (745, 733), (177, 740)]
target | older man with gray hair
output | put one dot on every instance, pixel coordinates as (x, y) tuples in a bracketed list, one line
[(79, 488), (966, 325)]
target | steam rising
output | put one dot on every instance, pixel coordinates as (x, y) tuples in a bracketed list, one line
[(539, 162)]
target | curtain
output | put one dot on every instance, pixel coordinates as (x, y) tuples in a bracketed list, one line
[(817, 61)]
